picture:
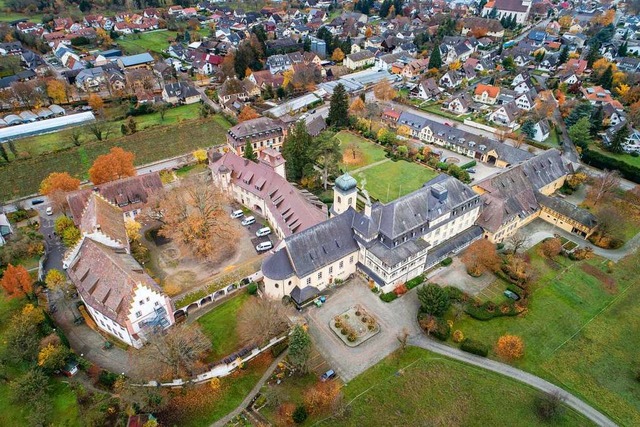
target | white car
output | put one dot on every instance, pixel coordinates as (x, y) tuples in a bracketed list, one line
[(237, 214), (264, 246), (49, 211), (264, 231), (248, 221)]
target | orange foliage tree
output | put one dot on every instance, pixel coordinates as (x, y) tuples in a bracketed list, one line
[(321, 397), (285, 413), (110, 167), (551, 247), (59, 181), (357, 107), (16, 281), (384, 91), (247, 113), (480, 257), (95, 102), (510, 347)]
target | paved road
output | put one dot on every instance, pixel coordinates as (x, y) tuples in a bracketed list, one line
[(509, 371), (223, 421)]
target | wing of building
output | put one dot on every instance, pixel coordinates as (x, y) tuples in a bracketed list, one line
[(387, 243)]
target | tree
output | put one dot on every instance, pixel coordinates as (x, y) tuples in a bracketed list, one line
[(517, 240), (132, 227), (603, 186), (328, 154), (5, 156), (101, 129), (549, 406), (480, 257), (161, 108), (296, 150), (433, 299), (357, 107), (580, 133), (249, 154), (338, 108), (95, 102), (16, 281), (510, 347), (384, 91), (22, 335), (299, 414), (113, 166), (606, 79), (75, 136), (200, 155), (55, 280), (59, 181), (619, 140), (247, 113), (337, 55), (551, 247), (593, 54), (57, 91), (435, 60), (528, 129), (583, 109), (193, 214), (322, 397), (596, 121), (53, 357), (509, 64), (299, 348), (32, 389), (176, 351), (564, 55), (62, 223), (623, 49), (260, 320), (71, 236)]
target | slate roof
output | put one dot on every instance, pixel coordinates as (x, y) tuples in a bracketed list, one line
[(567, 209), (257, 128), (360, 56)]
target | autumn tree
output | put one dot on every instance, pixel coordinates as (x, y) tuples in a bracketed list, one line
[(200, 155), (95, 102), (337, 55), (247, 113), (56, 186), (173, 352), (16, 281), (321, 397), (357, 107), (260, 320), (510, 347), (551, 247), (55, 280), (53, 357), (517, 240), (433, 299), (32, 390), (22, 334), (57, 91), (603, 186), (132, 227), (480, 257), (113, 166), (609, 232), (384, 91), (193, 214)]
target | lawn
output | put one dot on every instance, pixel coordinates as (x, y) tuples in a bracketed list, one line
[(22, 177), (391, 180), (14, 16), (220, 326), (627, 158), (154, 41), (580, 331), (291, 389), (366, 153), (415, 387), (437, 110)]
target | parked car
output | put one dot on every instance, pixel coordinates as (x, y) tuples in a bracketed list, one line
[(447, 124), (330, 374), (471, 170), (248, 220), (264, 231), (512, 295), (70, 369), (237, 214), (49, 211), (264, 246), (37, 202)]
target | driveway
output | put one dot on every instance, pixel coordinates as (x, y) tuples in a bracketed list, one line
[(456, 275), (393, 318)]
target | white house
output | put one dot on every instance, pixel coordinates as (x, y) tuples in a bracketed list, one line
[(542, 130), (519, 9), (359, 59), (5, 229)]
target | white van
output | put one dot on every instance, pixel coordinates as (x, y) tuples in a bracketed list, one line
[(264, 246), (236, 214), (264, 231), (248, 220)]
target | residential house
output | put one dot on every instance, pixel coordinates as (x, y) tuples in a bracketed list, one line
[(261, 133), (612, 116), (459, 104), (597, 95), (631, 144), (181, 92), (486, 94), (278, 63), (518, 9), (526, 101), (476, 26), (91, 79), (415, 68), (451, 79), (506, 115), (428, 89), (206, 63), (264, 78), (141, 60), (5, 229), (541, 130), (523, 86), (360, 59)]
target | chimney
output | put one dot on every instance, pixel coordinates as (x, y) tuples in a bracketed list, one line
[(367, 209)]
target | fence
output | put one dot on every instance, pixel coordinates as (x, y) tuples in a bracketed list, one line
[(479, 125)]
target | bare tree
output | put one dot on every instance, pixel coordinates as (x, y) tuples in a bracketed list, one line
[(604, 186), (161, 108), (517, 240), (261, 320), (193, 214), (100, 129), (176, 351), (403, 338), (75, 136)]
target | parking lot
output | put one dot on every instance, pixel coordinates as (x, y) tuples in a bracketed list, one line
[(251, 231)]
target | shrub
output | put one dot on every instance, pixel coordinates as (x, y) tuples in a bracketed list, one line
[(351, 337), (401, 290), (447, 261), (474, 347), (436, 327), (107, 379), (500, 246), (277, 349), (388, 297), (601, 161), (454, 293), (299, 414), (252, 288), (510, 347), (482, 311), (548, 406), (418, 280), (468, 165), (458, 336), (343, 331)]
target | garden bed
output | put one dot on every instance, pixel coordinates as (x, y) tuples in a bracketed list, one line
[(354, 326)]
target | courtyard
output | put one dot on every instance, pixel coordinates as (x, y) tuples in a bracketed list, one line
[(392, 179)]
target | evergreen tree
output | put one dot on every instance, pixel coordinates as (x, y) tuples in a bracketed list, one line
[(616, 145), (3, 153), (346, 46), (435, 60), (299, 348), (594, 54), (596, 121), (580, 133), (581, 110), (384, 8), (493, 14), (622, 50), (606, 79), (296, 151), (306, 45), (528, 129), (500, 48), (187, 37), (564, 55), (339, 108), (249, 154)]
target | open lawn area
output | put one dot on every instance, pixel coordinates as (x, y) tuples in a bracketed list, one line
[(357, 151), (22, 177), (220, 326), (14, 16), (154, 41), (627, 158), (391, 180), (580, 331), (415, 387)]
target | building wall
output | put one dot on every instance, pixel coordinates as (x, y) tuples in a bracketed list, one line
[(146, 301), (109, 326), (258, 144)]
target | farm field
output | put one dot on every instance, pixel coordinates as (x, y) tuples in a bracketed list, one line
[(580, 331), (357, 151), (390, 180), (416, 386)]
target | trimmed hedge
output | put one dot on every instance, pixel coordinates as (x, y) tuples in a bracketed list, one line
[(447, 261), (388, 297), (277, 349), (454, 293), (600, 161), (252, 288), (490, 310), (418, 280), (474, 347), (468, 165)]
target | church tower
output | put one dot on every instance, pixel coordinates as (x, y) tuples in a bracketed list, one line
[(345, 194)]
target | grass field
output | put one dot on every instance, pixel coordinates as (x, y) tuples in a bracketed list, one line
[(13, 16), (627, 158), (367, 152), (580, 331), (420, 388), (155, 41), (391, 180), (23, 177), (220, 326)]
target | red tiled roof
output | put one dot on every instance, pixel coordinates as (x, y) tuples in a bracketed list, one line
[(105, 217), (492, 91)]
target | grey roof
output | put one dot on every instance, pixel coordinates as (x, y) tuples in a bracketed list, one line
[(346, 182), (361, 55), (567, 209), (278, 266), (395, 255), (141, 58), (453, 245), (300, 296), (413, 120), (258, 127)]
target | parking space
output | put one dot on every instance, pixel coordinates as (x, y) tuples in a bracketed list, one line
[(251, 230)]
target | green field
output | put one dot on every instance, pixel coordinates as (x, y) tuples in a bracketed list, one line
[(366, 152), (627, 158), (13, 16), (418, 387), (581, 331), (220, 326), (23, 177), (154, 41), (391, 180)]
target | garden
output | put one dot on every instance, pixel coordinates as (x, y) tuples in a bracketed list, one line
[(358, 152), (354, 326), (390, 180)]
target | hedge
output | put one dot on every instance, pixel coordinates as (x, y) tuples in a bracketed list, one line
[(447, 261), (474, 347), (454, 293), (388, 297), (418, 280), (277, 349), (484, 312), (468, 165), (442, 330), (600, 161)]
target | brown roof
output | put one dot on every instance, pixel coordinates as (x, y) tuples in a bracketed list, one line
[(127, 193), (105, 217), (107, 278)]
